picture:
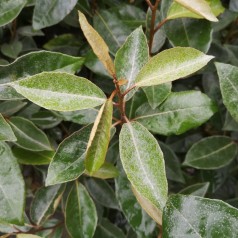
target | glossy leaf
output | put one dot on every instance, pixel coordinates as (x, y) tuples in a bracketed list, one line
[(141, 223), (143, 162), (9, 10), (106, 171), (60, 91), (200, 7), (113, 30), (157, 94), (22, 67), (172, 164), (68, 161), (28, 135), (78, 207), (170, 65), (211, 153), (102, 192), (47, 13), (198, 189), (130, 58), (99, 138), (6, 133), (176, 10), (45, 203), (228, 75), (191, 216), (11, 187), (32, 157), (180, 112), (94, 39), (180, 32)]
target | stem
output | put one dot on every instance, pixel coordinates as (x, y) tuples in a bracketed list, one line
[(160, 25), (149, 4), (128, 90)]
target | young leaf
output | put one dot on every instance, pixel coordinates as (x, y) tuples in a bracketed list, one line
[(60, 91), (157, 94), (170, 65), (99, 138), (68, 161), (78, 207), (32, 157), (28, 135), (6, 133), (45, 203), (200, 7), (228, 75), (180, 112), (211, 153), (22, 67), (141, 223), (9, 10), (47, 13), (95, 40), (12, 192), (143, 162), (191, 216), (130, 58)]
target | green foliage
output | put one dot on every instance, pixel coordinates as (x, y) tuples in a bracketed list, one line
[(118, 118)]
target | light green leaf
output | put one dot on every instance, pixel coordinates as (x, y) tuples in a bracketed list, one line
[(180, 112), (68, 161), (102, 192), (45, 203), (176, 10), (111, 28), (11, 187), (157, 94), (9, 10), (180, 32), (94, 39), (198, 189), (99, 138), (200, 7), (32, 157), (22, 67), (196, 217), (141, 223), (60, 91), (27, 236), (228, 75), (6, 133), (78, 207), (130, 58), (211, 153), (170, 65), (28, 135), (143, 162), (48, 13)]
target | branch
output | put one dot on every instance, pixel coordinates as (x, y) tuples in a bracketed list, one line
[(160, 25), (149, 4)]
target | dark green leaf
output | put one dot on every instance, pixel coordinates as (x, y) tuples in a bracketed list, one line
[(130, 58), (11, 187), (228, 75), (51, 89), (47, 12), (32, 157), (6, 133), (12, 50), (211, 153), (28, 135), (99, 138), (180, 112), (197, 217), (9, 10), (68, 161), (143, 162), (45, 203), (81, 215), (198, 189), (8, 108)]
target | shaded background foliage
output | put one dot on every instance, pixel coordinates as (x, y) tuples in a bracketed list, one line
[(40, 131)]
